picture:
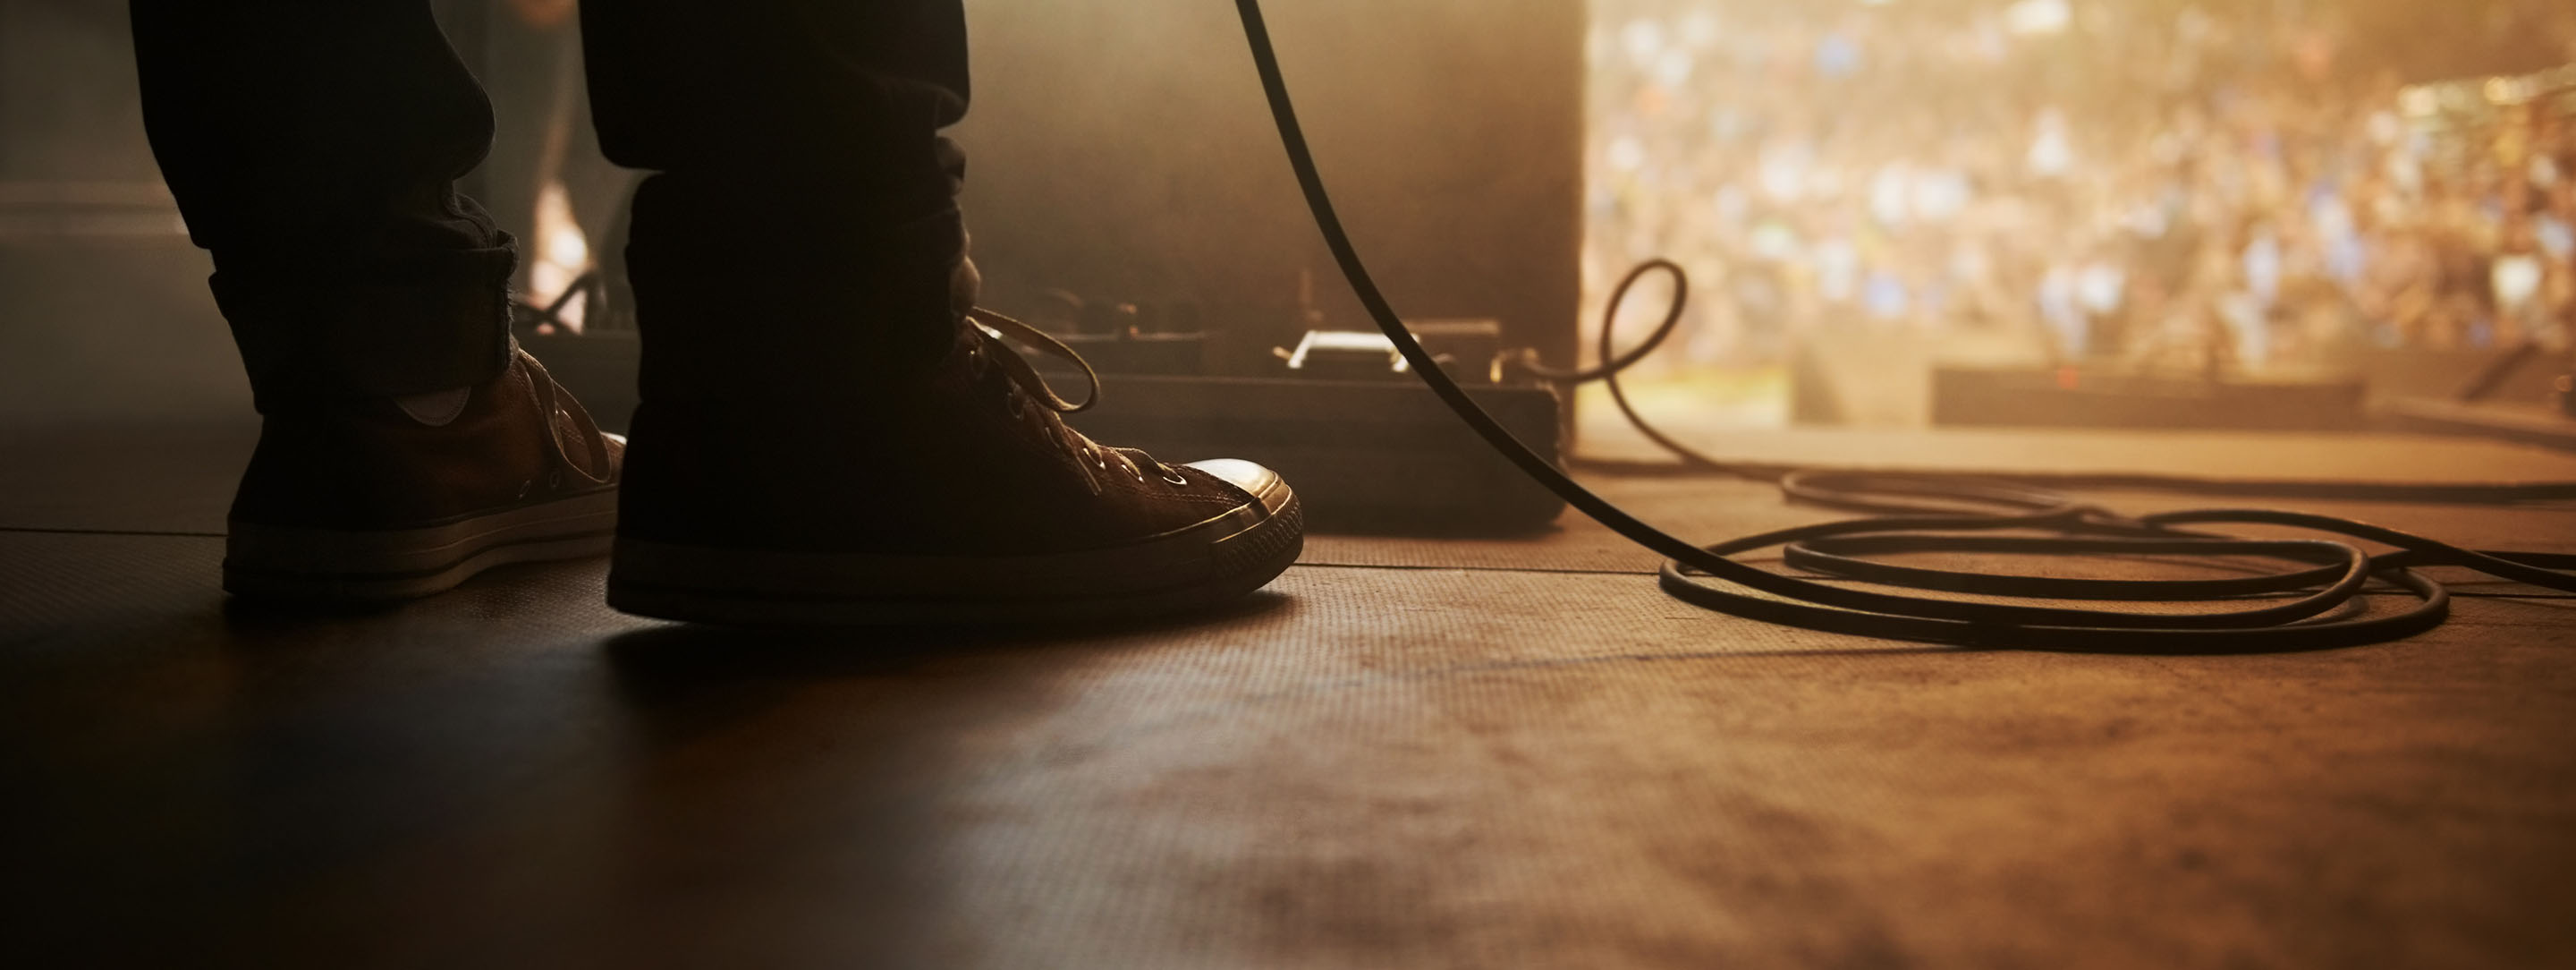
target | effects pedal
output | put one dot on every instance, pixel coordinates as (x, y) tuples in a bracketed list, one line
[(1368, 448)]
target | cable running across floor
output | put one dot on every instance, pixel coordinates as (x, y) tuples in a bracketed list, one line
[(1975, 514)]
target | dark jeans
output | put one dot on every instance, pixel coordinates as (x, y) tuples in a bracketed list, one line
[(799, 231)]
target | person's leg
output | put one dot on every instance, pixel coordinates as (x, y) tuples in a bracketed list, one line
[(313, 149), (821, 437), (796, 147), (405, 444)]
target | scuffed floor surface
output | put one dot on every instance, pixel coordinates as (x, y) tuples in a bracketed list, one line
[(1404, 754)]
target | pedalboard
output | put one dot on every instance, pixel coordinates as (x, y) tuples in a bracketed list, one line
[(1366, 456), (1368, 448)]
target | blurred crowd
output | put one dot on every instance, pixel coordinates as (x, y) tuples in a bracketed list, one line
[(2238, 184)]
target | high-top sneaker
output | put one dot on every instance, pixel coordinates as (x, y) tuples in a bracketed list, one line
[(378, 499), (954, 495)]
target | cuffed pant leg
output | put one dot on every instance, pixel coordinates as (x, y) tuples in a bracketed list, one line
[(313, 147), (802, 226)]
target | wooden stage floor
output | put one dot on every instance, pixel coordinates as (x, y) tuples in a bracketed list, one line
[(1406, 753)]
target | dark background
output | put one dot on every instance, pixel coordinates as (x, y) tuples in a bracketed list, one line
[(1120, 151)]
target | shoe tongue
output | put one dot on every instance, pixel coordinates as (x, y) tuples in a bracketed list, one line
[(436, 408)]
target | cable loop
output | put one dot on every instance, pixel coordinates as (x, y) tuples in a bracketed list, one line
[(1955, 513)]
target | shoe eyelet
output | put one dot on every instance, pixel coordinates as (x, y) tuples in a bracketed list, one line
[(1176, 478)]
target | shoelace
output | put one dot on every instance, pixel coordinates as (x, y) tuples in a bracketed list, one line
[(993, 348), (553, 403)]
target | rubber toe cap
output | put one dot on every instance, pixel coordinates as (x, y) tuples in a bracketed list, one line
[(1259, 481)]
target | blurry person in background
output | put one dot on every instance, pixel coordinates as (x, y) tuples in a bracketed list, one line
[(824, 436), (2517, 277), (2075, 142), (2398, 283)]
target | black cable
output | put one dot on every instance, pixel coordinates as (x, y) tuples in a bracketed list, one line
[(585, 286), (2482, 493), (2331, 573)]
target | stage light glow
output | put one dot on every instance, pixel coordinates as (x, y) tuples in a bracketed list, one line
[(562, 254), (2039, 17)]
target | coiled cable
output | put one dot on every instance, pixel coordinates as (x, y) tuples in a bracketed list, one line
[(1963, 514)]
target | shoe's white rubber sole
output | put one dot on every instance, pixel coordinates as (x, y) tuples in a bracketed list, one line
[(271, 562), (1202, 565)]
